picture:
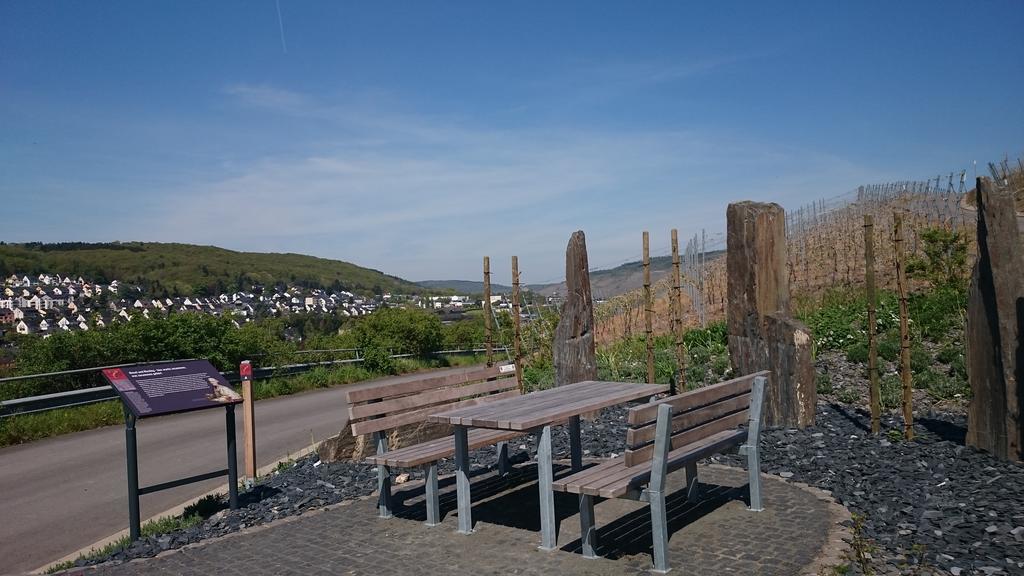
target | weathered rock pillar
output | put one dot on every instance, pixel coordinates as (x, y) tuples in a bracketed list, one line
[(573, 350), (995, 322), (762, 334)]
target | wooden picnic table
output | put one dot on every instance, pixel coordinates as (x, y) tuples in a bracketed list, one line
[(537, 412)]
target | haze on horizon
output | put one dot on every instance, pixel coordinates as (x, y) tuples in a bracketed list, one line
[(415, 139)]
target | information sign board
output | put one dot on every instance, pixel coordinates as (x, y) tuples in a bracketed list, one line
[(172, 387)]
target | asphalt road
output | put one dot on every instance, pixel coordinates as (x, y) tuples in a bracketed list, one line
[(61, 494)]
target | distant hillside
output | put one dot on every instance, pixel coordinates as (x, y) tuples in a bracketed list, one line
[(186, 269), (609, 283), (464, 286)]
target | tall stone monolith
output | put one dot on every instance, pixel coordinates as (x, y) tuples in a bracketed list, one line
[(995, 323), (762, 334), (573, 349)]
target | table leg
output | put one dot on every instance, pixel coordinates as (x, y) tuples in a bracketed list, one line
[(462, 480), (545, 473), (432, 499), (575, 444)]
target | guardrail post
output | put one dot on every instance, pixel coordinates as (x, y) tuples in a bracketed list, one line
[(248, 418)]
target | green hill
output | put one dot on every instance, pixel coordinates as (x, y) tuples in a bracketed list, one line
[(621, 279), (464, 286), (187, 269)]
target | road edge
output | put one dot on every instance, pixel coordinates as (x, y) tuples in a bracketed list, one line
[(173, 511)]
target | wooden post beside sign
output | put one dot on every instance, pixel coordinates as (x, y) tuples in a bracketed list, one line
[(248, 419)]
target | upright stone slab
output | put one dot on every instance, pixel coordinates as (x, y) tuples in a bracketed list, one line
[(573, 349), (793, 394), (762, 334), (995, 322)]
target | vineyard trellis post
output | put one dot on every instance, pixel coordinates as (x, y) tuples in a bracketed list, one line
[(517, 324), (648, 307), (677, 320), (901, 286), (488, 337), (869, 281)]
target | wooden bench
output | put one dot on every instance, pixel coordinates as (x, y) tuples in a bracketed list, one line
[(663, 436), (377, 409)]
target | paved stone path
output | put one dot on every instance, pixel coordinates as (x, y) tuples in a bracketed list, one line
[(716, 536)]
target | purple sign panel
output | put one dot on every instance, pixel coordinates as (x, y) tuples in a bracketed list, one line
[(155, 389)]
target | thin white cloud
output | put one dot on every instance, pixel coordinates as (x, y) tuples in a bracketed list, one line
[(426, 198)]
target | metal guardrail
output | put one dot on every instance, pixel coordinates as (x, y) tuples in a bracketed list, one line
[(45, 402)]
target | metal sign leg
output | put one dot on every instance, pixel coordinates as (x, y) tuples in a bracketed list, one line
[(232, 458), (132, 454)]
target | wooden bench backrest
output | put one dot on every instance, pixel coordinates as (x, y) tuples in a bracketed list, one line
[(378, 408), (695, 415)]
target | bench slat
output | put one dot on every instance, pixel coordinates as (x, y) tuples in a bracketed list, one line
[(613, 478), (693, 399), (637, 437), (433, 450), (687, 454), (424, 399), (420, 384), (638, 456), (387, 422)]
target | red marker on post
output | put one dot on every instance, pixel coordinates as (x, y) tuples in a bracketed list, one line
[(249, 413)]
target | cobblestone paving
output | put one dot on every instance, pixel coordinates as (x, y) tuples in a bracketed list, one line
[(715, 536)]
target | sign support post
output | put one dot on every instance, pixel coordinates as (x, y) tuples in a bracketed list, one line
[(169, 388), (232, 457), (132, 450)]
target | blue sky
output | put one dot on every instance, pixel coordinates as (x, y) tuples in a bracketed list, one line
[(416, 138)]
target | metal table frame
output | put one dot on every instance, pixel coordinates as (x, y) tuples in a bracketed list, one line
[(545, 465)]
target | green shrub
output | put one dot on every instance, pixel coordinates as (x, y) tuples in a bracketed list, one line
[(377, 359), (958, 367), (538, 377), (938, 312), (889, 346), (920, 359), (892, 391), (402, 330), (695, 375), (945, 387), (848, 396), (714, 334), (857, 352), (838, 321), (927, 378), (824, 383), (699, 355), (948, 353), (945, 258), (720, 365)]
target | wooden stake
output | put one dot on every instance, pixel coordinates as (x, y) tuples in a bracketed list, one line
[(901, 286), (869, 281), (648, 308), (248, 419), (517, 335), (488, 337), (677, 300)]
